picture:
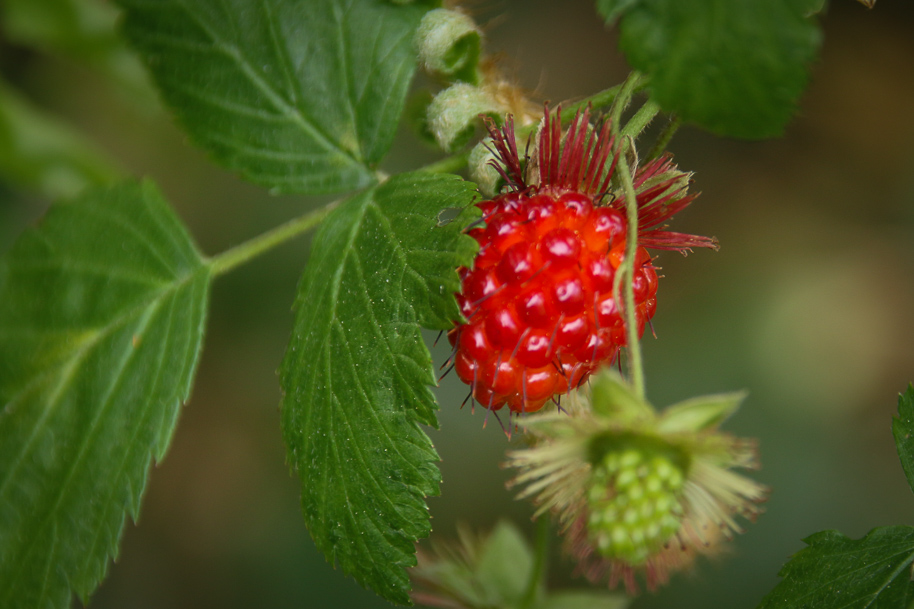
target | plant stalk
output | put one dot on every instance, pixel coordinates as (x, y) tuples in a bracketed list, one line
[(641, 119), (622, 100), (627, 274), (238, 255), (664, 139)]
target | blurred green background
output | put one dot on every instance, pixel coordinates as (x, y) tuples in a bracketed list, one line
[(808, 305)]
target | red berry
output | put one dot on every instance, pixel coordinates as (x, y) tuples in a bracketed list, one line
[(539, 305), (536, 328)]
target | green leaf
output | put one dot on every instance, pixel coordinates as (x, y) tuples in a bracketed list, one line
[(478, 570), (81, 26), (834, 571), (40, 153), (903, 430), (356, 374), (297, 96), (103, 307), (736, 67), (504, 568)]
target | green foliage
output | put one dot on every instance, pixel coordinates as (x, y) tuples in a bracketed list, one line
[(46, 155), (356, 373), (297, 96), (873, 572), (100, 330), (496, 571), (735, 67), (903, 430), (81, 29), (835, 571), (491, 572)]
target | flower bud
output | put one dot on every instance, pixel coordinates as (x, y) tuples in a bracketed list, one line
[(482, 171), (448, 43), (453, 113)]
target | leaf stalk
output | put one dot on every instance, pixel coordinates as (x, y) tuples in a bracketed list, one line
[(244, 252)]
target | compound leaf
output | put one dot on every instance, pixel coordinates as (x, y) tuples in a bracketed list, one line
[(835, 571), (297, 96), (356, 375), (102, 309), (736, 67)]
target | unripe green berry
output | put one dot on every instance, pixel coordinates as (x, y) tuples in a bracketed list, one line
[(634, 503)]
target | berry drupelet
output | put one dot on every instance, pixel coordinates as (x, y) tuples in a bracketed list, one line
[(542, 311)]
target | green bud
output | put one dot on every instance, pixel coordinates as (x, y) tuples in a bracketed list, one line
[(453, 113), (448, 43), (482, 172)]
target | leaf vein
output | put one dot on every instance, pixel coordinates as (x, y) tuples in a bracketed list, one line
[(295, 113)]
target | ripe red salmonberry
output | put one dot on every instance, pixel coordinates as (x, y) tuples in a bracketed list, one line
[(540, 311)]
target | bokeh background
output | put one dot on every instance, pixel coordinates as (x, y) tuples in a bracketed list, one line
[(808, 305)]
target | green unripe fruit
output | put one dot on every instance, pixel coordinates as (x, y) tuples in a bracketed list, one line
[(634, 502)]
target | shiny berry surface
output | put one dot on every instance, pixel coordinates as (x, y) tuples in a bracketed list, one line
[(540, 311)]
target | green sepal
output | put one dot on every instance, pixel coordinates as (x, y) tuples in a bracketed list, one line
[(612, 396), (700, 413)]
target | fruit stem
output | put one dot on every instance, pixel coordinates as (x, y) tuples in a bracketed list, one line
[(541, 551), (238, 255), (627, 267), (641, 119), (621, 102), (597, 100), (664, 139)]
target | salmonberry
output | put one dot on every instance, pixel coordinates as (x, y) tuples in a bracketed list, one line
[(540, 308)]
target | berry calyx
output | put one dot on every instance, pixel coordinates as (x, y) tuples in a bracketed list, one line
[(540, 302)]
